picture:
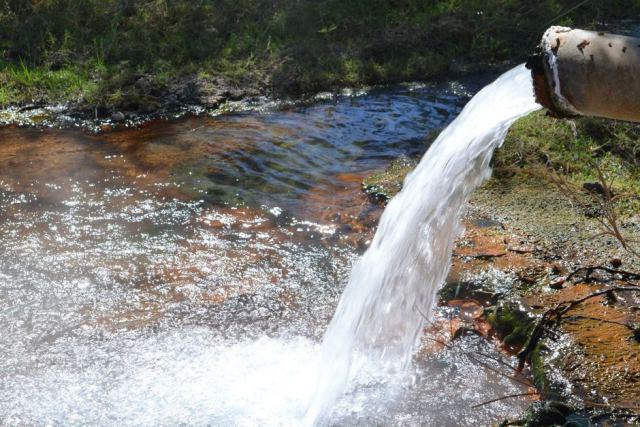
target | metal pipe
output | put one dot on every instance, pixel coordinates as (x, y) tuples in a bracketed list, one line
[(577, 72)]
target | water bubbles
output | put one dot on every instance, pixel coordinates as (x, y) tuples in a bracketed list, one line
[(184, 273), (376, 326)]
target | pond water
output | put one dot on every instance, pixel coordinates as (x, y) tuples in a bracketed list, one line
[(184, 272)]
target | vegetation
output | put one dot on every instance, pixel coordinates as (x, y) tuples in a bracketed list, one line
[(92, 50), (585, 154), (384, 185)]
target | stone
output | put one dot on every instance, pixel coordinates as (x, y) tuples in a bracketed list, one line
[(117, 117), (615, 262), (557, 282), (593, 187), (546, 414)]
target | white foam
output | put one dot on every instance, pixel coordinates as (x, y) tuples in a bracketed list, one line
[(380, 316)]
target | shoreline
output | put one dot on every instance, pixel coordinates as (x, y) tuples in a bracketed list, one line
[(196, 96), (526, 248)]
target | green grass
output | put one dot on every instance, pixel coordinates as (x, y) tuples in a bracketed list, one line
[(538, 144), (289, 47), (22, 84)]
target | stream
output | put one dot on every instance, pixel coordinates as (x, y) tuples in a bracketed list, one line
[(186, 271)]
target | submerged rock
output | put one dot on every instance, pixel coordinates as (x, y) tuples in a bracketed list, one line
[(117, 117), (513, 321), (468, 291), (546, 414)]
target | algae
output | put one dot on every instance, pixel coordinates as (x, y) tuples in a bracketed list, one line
[(511, 321), (384, 185)]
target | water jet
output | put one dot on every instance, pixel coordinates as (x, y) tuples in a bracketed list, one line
[(379, 321)]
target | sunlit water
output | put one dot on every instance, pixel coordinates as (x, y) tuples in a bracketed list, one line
[(391, 290), (184, 273)]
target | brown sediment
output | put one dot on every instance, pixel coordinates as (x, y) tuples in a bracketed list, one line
[(146, 314), (480, 243), (603, 358), (46, 162), (603, 361), (482, 247), (344, 205), (31, 158), (156, 156), (157, 151), (252, 266)]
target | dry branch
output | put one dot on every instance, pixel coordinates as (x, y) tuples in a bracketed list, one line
[(605, 199), (553, 317)]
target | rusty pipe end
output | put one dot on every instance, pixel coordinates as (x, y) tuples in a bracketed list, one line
[(544, 72), (586, 73)]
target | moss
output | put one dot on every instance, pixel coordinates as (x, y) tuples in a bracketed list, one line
[(538, 371), (538, 143), (511, 322), (384, 185), (549, 413)]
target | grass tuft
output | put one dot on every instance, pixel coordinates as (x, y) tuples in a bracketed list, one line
[(289, 47)]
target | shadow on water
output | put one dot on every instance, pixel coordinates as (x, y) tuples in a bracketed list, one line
[(184, 272)]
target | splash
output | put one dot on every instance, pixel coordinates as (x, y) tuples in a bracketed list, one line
[(380, 316), (182, 273)]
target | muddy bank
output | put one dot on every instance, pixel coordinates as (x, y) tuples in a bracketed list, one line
[(588, 360), (145, 99), (523, 238)]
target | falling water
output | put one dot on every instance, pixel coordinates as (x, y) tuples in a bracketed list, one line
[(381, 313), (181, 273)]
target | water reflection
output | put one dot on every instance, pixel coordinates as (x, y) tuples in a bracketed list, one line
[(183, 272)]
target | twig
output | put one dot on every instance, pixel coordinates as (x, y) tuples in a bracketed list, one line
[(625, 275), (497, 371), (503, 398), (609, 219), (573, 304), (444, 344), (553, 316), (600, 320), (488, 356), (483, 364), (612, 407), (431, 322)]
